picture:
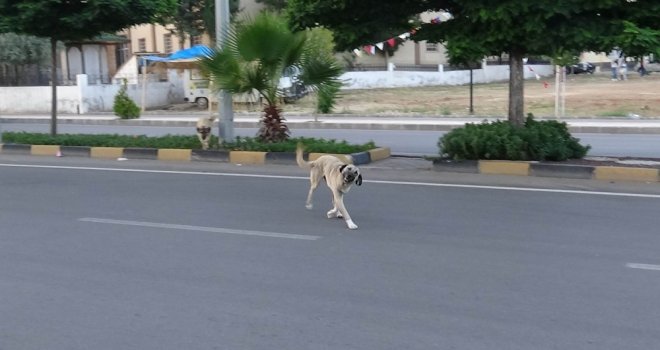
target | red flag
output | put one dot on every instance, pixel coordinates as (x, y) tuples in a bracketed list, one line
[(391, 42)]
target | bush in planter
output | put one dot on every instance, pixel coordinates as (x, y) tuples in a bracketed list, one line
[(545, 140), (124, 107)]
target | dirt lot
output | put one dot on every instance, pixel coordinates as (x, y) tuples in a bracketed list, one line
[(586, 96)]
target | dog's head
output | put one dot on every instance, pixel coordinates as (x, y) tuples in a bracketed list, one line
[(204, 125), (350, 173), (204, 132)]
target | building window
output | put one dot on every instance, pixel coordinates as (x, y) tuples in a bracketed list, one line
[(142, 45), (431, 47), (196, 40), (167, 39)]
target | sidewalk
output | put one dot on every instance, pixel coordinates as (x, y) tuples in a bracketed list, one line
[(424, 123)]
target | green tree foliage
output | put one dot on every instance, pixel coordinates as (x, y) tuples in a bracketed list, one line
[(321, 43), (70, 20), (636, 41), (254, 57), (519, 28), (23, 49), (194, 17), (20, 56)]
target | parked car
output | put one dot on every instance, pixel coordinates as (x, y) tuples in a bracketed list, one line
[(582, 67)]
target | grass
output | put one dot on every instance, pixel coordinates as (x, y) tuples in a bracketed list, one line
[(614, 113), (586, 96)]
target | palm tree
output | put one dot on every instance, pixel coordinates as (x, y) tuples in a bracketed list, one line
[(254, 57)]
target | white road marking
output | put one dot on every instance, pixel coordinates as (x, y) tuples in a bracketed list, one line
[(643, 266), (306, 178), (200, 228)]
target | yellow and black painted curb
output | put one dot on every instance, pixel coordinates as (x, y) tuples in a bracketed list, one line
[(185, 155), (523, 168)]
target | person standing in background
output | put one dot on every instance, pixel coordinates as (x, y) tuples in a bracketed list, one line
[(614, 62), (615, 68), (623, 67)]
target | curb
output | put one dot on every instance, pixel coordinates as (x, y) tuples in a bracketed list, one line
[(186, 155), (523, 168), (333, 125)]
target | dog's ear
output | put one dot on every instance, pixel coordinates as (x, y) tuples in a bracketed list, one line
[(341, 168), (358, 181)]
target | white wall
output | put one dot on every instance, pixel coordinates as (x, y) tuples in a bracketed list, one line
[(391, 79), (85, 98)]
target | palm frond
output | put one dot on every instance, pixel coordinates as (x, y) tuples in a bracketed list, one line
[(320, 70)]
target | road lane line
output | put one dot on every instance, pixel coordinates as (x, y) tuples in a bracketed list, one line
[(288, 177), (643, 266), (200, 228)]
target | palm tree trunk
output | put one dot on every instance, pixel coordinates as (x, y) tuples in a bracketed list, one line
[(272, 125)]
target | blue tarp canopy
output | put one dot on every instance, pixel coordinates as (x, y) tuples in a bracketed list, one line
[(184, 57)]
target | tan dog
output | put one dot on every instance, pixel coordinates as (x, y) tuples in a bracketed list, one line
[(339, 177), (204, 125)]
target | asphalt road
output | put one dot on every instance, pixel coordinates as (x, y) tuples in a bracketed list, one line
[(155, 255), (415, 143)]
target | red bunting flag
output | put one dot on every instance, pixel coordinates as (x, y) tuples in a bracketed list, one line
[(391, 42)]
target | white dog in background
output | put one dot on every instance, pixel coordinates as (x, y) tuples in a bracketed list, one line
[(204, 125), (339, 177)]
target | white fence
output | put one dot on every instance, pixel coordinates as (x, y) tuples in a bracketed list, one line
[(84, 98)]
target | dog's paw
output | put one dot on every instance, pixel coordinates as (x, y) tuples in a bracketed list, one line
[(351, 225), (332, 214), (309, 206)]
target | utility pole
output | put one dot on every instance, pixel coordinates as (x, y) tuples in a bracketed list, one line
[(225, 110)]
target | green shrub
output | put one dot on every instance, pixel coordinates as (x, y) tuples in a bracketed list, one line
[(544, 140), (327, 98), (124, 107), (184, 142)]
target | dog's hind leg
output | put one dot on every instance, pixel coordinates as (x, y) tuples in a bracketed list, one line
[(314, 182)]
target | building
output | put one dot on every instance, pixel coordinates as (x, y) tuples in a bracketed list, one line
[(157, 39)]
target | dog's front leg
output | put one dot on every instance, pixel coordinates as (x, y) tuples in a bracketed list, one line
[(205, 144), (334, 212), (339, 205)]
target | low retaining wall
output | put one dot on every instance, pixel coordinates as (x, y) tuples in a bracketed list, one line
[(496, 167), (83, 97), (186, 155)]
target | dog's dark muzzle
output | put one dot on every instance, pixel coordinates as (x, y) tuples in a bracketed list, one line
[(204, 131)]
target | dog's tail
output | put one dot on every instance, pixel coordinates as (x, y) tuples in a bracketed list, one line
[(299, 157)]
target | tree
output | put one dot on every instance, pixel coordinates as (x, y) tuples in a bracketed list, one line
[(516, 27), (638, 42), (194, 17), (20, 56), (255, 56), (70, 20)]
